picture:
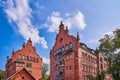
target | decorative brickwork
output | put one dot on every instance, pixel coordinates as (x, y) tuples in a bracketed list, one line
[(25, 58)]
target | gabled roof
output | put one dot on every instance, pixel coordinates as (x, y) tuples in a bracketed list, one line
[(19, 72)]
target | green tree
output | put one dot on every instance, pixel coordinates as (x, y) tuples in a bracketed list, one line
[(99, 76), (1, 75), (45, 76), (106, 46), (110, 46)]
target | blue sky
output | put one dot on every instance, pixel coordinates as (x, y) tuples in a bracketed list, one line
[(39, 19)]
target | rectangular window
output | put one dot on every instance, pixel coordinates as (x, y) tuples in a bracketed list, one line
[(66, 67), (70, 67), (83, 77), (28, 65), (101, 60), (88, 68), (83, 67)]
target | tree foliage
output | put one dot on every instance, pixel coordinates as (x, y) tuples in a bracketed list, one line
[(1, 75), (110, 46), (45, 76), (99, 76)]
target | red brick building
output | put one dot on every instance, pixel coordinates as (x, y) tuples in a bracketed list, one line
[(71, 59), (25, 64), (22, 74)]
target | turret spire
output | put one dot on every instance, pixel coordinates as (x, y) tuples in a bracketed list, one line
[(13, 51), (78, 38)]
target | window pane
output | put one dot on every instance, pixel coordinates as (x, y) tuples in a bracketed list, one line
[(70, 45), (20, 56), (66, 47)]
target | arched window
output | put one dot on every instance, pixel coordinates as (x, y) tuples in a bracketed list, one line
[(30, 58), (66, 47), (83, 56), (19, 56), (88, 58), (33, 59), (71, 45), (36, 59)]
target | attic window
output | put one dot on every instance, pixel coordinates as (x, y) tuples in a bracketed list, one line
[(22, 77), (61, 39)]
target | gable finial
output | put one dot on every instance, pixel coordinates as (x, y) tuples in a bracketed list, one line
[(61, 25), (67, 29), (78, 38), (29, 39)]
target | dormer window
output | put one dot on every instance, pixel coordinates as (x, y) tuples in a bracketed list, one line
[(66, 47), (70, 45)]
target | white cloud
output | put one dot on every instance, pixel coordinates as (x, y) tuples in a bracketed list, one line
[(19, 11), (46, 60), (96, 41), (53, 21), (72, 20)]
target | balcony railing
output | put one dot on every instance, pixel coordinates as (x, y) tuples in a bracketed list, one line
[(58, 78), (57, 52), (58, 61), (61, 70)]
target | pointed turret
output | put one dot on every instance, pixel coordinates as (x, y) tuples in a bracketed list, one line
[(78, 38), (61, 26), (29, 42), (30, 39), (13, 51), (23, 45)]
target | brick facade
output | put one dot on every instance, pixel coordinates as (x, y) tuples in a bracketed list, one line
[(71, 59), (25, 58)]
